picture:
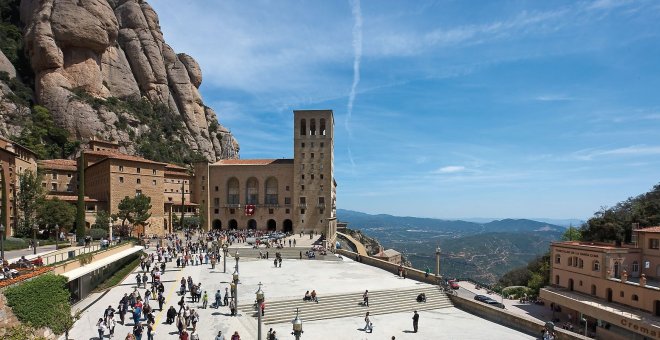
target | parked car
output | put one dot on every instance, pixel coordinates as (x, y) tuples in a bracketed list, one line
[(494, 303), (481, 298), (453, 284)]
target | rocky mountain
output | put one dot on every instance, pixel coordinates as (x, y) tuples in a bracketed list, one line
[(103, 70)]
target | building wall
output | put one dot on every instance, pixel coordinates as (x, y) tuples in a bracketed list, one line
[(60, 181), (652, 255), (200, 192), (15, 160)]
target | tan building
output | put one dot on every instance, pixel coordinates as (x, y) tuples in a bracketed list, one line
[(615, 287), (178, 195), (14, 159), (290, 195)]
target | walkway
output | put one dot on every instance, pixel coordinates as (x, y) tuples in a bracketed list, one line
[(361, 250)]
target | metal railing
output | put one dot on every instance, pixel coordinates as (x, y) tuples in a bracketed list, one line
[(65, 255)]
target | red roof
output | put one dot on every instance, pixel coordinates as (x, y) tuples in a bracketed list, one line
[(174, 166), (58, 164), (650, 229), (122, 156), (253, 161)]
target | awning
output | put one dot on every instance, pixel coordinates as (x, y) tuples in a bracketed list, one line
[(84, 270)]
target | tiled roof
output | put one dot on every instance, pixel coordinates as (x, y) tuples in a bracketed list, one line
[(177, 173), (122, 156), (650, 229), (174, 166), (58, 164), (254, 161)]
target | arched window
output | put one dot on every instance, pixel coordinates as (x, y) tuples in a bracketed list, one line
[(580, 263), (596, 266), (303, 127), (635, 267), (252, 191), (232, 191), (616, 269), (322, 127), (558, 259), (570, 261), (312, 127), (635, 297), (593, 289), (271, 191)]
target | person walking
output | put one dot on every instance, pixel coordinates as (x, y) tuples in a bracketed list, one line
[(100, 326), (205, 300), (365, 298), (415, 322), (218, 299), (236, 336), (220, 336), (111, 328), (137, 331), (368, 325)]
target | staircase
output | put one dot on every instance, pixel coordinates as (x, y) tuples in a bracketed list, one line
[(286, 252), (350, 305)]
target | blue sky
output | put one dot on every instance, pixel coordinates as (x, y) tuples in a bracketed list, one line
[(443, 109)]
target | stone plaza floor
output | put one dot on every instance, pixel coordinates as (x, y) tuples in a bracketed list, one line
[(291, 281)]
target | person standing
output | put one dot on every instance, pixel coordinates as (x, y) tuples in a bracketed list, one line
[(111, 328), (365, 298), (367, 325), (205, 300), (218, 299), (220, 336), (415, 322)]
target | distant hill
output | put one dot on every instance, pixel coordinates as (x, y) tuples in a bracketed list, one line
[(482, 251)]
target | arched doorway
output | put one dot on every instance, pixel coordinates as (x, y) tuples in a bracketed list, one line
[(252, 224), (272, 225), (593, 289), (288, 226), (217, 224), (609, 294), (233, 225), (570, 284)]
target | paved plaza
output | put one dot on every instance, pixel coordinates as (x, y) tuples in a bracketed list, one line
[(290, 282)]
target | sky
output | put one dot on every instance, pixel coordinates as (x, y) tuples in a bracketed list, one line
[(447, 109)]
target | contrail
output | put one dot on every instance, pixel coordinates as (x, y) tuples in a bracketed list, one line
[(357, 56)]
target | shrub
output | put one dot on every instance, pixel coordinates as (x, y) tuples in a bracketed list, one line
[(97, 233), (41, 302), (13, 243)]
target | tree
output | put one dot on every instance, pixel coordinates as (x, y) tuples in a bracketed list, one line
[(134, 211), (80, 212), (29, 197), (572, 234), (55, 212), (103, 220)]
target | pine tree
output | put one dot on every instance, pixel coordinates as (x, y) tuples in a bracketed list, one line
[(80, 213)]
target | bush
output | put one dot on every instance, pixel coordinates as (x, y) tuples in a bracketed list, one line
[(41, 302), (13, 243), (97, 233)]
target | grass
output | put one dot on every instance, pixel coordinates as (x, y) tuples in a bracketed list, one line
[(120, 275)]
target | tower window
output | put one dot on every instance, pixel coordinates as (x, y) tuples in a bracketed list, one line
[(302, 145), (303, 127)]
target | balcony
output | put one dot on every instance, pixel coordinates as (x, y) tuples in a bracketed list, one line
[(302, 205), (232, 205)]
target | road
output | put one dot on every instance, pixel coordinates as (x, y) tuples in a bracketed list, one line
[(16, 254)]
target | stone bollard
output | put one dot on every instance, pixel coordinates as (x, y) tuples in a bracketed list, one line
[(642, 281), (624, 276)]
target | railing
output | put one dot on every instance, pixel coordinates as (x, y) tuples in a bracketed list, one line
[(64, 255), (302, 205), (233, 205)]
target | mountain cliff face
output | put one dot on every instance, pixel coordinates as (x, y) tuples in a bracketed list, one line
[(103, 70)]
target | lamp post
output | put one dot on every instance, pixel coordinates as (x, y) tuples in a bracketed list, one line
[(260, 300), (225, 249), (235, 286), (297, 326), (437, 261), (34, 239), (585, 324), (57, 236), (2, 242), (237, 257)]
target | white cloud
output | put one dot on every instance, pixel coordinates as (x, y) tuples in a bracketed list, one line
[(553, 98), (635, 150), (450, 169)]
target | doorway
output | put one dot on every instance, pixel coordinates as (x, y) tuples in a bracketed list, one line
[(252, 224), (288, 226), (217, 225), (570, 284), (233, 225), (272, 225), (609, 295)]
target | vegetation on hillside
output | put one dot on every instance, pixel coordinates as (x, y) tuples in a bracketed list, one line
[(41, 302), (41, 135), (11, 41)]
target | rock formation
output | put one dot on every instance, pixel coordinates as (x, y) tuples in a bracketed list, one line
[(114, 49)]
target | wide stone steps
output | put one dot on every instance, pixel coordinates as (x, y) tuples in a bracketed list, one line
[(350, 305), (287, 253)]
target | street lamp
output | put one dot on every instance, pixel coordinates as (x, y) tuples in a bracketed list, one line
[(260, 300), (235, 282), (237, 257), (2, 242), (57, 236), (225, 249), (437, 261), (297, 326), (34, 238)]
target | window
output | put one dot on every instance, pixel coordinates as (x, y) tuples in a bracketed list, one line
[(321, 200), (232, 211), (312, 176), (303, 156), (69, 175), (216, 201), (321, 144), (302, 145), (138, 192), (557, 259), (580, 263), (302, 177), (232, 191), (635, 266), (121, 179), (596, 266), (139, 181), (169, 199), (216, 211), (303, 200), (286, 188), (287, 211), (53, 186), (654, 243), (303, 127), (270, 211), (635, 297), (154, 171), (154, 182), (287, 200), (302, 187), (593, 289), (312, 155), (216, 188), (321, 176), (580, 283), (302, 211), (54, 175), (570, 261), (121, 168), (621, 294), (138, 170)]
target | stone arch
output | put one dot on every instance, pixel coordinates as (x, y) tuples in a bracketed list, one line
[(303, 127), (233, 191), (288, 226), (270, 187), (312, 127), (322, 127), (233, 225), (252, 224), (272, 225), (252, 191), (217, 224)]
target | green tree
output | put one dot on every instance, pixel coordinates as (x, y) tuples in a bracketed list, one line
[(142, 208), (572, 234), (47, 140), (56, 212), (135, 211), (80, 212), (29, 197), (103, 220)]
